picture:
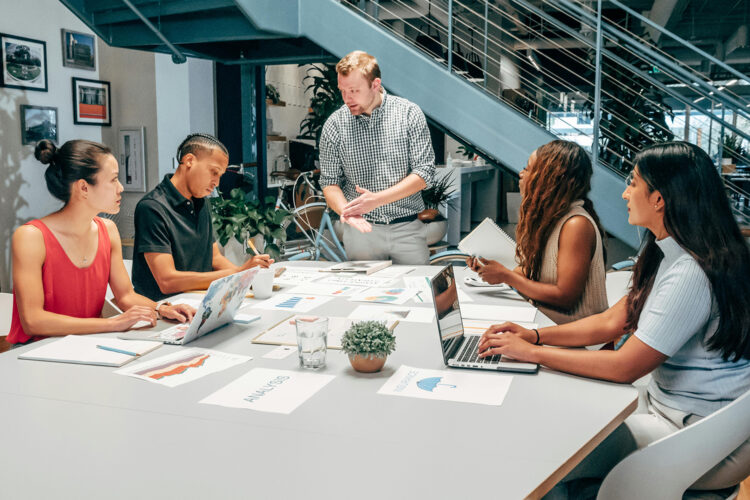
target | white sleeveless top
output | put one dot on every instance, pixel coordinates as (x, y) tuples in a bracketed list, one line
[(594, 297)]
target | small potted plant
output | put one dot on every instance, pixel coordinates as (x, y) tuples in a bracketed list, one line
[(240, 217), (368, 343), (435, 196)]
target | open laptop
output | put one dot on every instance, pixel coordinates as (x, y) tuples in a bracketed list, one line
[(459, 350), (218, 307)]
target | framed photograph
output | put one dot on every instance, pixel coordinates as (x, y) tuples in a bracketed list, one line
[(24, 63), (79, 50), (37, 123), (92, 102), (132, 159)]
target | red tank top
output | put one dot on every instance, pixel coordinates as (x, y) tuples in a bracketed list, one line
[(68, 290)]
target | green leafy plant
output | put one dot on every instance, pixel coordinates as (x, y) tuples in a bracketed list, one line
[(368, 338), (466, 151), (732, 147), (322, 82), (240, 217), (272, 93), (439, 194)]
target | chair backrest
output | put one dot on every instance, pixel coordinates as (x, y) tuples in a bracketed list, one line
[(617, 283), (666, 468)]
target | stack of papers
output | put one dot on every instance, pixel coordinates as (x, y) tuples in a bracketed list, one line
[(88, 350)]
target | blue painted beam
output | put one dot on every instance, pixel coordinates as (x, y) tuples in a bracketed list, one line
[(277, 16), (458, 105), (119, 14)]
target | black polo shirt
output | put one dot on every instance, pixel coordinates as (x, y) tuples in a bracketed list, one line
[(167, 222)]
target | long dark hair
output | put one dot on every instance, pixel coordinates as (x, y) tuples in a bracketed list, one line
[(698, 216), (561, 174), (75, 160)]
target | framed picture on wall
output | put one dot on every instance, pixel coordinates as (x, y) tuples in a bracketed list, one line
[(24, 63), (92, 102), (132, 158), (37, 123), (79, 50)]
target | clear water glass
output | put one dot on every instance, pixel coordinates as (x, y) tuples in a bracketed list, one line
[(312, 339)]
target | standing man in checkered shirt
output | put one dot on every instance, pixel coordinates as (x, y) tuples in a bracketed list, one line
[(375, 158)]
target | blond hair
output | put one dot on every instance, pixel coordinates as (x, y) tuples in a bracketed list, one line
[(361, 61)]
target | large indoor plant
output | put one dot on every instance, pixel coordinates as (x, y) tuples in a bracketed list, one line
[(322, 83), (240, 217), (436, 196), (368, 343)]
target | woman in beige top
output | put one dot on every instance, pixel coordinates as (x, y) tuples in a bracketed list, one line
[(559, 249)]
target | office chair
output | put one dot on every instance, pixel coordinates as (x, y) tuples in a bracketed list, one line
[(666, 468)]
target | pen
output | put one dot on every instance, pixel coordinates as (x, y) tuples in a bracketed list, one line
[(252, 246), (121, 351)]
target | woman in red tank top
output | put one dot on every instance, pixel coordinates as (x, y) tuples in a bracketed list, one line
[(63, 262)]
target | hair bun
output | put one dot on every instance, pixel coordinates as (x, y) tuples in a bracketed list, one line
[(45, 151)]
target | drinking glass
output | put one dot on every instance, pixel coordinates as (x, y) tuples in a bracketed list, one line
[(312, 338)]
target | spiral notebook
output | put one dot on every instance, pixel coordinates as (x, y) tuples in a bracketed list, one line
[(489, 241)]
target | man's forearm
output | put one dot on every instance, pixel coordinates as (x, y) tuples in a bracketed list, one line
[(409, 185), (335, 198)]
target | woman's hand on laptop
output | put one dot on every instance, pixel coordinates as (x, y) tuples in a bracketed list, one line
[(181, 313), (126, 320), (509, 339)]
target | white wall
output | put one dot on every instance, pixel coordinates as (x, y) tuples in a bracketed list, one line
[(23, 192)]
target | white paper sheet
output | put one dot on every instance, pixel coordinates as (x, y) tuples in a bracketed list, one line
[(183, 366), (285, 332), (400, 313), (448, 385), (395, 295), (423, 287), (298, 275), (264, 389), (354, 280), (325, 289), (498, 314), (296, 303), (281, 352), (393, 272)]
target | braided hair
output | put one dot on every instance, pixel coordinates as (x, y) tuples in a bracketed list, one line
[(195, 143)]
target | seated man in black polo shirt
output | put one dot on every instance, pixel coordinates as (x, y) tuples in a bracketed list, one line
[(174, 244)]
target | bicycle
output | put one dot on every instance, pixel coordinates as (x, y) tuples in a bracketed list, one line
[(312, 219)]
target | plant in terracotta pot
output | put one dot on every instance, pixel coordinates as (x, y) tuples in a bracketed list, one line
[(437, 195), (368, 343)]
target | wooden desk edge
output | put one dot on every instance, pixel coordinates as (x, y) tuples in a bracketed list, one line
[(587, 448)]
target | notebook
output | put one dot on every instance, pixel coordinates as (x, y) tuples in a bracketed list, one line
[(83, 350), (358, 266), (489, 241)]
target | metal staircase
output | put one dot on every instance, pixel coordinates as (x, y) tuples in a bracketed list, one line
[(518, 74)]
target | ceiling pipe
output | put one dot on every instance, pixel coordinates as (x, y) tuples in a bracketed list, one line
[(177, 56)]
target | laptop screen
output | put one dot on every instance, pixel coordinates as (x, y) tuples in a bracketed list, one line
[(447, 311)]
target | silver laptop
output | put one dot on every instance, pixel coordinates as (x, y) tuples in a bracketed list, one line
[(459, 350), (218, 307)]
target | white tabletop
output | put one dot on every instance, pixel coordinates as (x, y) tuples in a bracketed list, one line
[(83, 432)]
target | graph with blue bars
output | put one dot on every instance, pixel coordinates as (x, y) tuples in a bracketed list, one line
[(290, 303)]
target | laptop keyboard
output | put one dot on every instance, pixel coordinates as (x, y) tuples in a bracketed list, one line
[(469, 352)]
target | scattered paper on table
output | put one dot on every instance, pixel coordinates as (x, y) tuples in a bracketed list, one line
[(498, 314), (281, 352), (265, 389), (448, 385), (393, 295), (183, 366), (326, 289), (393, 272), (400, 313), (354, 280), (298, 303), (423, 287), (298, 275), (285, 332)]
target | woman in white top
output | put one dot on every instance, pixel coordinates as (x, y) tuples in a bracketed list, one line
[(560, 247), (688, 310)]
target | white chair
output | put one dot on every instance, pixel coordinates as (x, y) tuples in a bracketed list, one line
[(666, 468), (617, 283), (129, 268), (6, 312)]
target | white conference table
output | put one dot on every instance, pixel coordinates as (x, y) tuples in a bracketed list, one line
[(77, 431)]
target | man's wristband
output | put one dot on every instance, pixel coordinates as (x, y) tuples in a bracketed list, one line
[(537, 336)]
